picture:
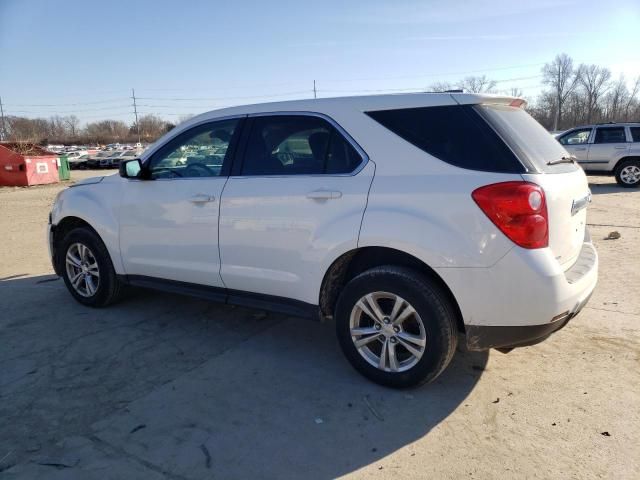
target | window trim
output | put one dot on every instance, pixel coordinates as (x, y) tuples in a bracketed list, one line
[(176, 139), (236, 170)]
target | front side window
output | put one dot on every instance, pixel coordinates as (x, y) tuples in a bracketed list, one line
[(610, 135), (199, 152), (297, 145), (577, 137), (635, 133)]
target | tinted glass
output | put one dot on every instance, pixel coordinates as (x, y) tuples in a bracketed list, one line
[(297, 145), (199, 152), (577, 137), (610, 135), (454, 134), (531, 142), (635, 133)]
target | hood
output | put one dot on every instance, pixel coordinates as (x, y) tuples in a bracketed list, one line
[(87, 181)]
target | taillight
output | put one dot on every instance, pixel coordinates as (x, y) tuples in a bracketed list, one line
[(518, 209)]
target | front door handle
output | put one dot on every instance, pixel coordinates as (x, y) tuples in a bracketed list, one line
[(202, 198), (324, 194), (580, 149)]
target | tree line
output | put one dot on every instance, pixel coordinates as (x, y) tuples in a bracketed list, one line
[(67, 130), (573, 95)]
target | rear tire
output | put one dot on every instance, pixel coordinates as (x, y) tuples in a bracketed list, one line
[(87, 269), (396, 349), (627, 173)]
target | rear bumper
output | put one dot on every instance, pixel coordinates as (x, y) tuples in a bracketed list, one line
[(484, 337), (523, 298)]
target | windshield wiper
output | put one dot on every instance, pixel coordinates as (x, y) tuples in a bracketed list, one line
[(571, 159)]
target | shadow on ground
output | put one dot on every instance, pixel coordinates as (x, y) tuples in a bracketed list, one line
[(162, 385)]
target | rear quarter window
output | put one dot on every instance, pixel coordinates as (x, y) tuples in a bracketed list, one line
[(455, 134)]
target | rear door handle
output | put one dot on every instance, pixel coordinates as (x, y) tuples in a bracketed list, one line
[(580, 149), (202, 198), (324, 194), (621, 148)]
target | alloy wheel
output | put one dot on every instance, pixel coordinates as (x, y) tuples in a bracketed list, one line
[(630, 174), (387, 332), (82, 269)]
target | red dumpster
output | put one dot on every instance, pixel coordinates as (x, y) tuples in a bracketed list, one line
[(23, 164)]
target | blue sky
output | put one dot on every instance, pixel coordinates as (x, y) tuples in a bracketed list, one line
[(83, 57)]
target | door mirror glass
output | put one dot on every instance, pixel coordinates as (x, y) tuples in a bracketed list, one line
[(131, 168)]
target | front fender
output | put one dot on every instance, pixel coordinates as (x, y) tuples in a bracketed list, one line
[(95, 204)]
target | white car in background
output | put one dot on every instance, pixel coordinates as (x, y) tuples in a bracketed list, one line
[(608, 148), (407, 219)]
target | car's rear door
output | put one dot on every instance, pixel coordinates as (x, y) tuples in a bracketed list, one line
[(169, 223), (610, 143), (299, 192)]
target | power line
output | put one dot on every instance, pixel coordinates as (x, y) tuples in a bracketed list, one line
[(63, 104)]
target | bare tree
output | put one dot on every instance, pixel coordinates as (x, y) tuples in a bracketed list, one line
[(516, 92), (440, 87), (479, 84), (151, 127), (72, 123), (631, 98), (594, 81), (561, 77)]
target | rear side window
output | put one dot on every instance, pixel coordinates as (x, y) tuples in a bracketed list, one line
[(454, 134), (610, 135), (635, 133), (297, 145)]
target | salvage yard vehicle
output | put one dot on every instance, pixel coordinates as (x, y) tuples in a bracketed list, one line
[(411, 220), (608, 148)]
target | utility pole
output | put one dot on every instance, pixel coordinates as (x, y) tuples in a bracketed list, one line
[(315, 93), (135, 112), (3, 131)]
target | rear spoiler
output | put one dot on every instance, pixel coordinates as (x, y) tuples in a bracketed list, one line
[(488, 98)]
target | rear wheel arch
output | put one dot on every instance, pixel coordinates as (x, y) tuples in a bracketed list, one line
[(622, 160), (352, 263)]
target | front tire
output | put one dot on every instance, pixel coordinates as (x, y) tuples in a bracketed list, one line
[(87, 270), (628, 173), (396, 326)]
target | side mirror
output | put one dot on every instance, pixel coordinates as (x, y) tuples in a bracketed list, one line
[(131, 168)]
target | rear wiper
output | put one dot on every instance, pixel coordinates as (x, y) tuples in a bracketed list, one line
[(571, 159)]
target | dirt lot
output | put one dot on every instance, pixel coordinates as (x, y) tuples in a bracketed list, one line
[(162, 386)]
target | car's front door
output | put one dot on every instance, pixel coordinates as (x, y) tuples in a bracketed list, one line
[(577, 144), (169, 222), (299, 193), (610, 143)]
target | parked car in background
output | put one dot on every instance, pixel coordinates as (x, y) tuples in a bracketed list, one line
[(126, 155), (611, 148), (408, 219), (77, 159), (94, 161), (111, 160)]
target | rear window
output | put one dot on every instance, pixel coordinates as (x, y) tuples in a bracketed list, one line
[(454, 134), (533, 145), (635, 133)]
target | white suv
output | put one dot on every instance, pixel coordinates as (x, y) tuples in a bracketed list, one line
[(409, 219), (611, 148)]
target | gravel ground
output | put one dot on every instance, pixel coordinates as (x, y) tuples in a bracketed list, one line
[(162, 386)]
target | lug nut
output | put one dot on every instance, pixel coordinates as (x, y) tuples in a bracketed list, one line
[(393, 339), (378, 327), (396, 329), (386, 320)]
